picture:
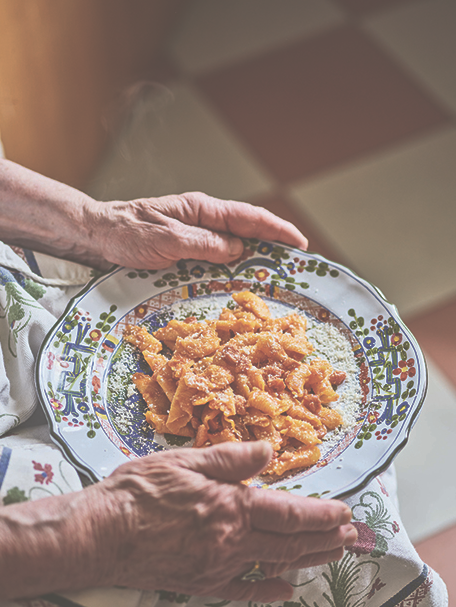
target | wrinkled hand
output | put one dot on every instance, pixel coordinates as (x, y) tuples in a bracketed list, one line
[(153, 233), (183, 522)]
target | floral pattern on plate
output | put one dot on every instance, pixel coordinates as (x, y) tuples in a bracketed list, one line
[(84, 367)]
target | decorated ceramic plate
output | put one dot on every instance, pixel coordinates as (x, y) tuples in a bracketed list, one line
[(85, 367)]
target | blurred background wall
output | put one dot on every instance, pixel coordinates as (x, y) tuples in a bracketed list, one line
[(339, 115), (62, 67)]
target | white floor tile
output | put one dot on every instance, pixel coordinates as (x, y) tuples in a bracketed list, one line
[(393, 217), (425, 468), (173, 144), (422, 35), (214, 32)]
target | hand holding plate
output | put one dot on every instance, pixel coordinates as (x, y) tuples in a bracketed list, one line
[(153, 233), (182, 521)]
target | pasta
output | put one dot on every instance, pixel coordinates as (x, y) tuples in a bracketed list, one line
[(244, 376)]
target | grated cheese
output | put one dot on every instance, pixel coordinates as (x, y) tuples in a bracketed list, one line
[(328, 342)]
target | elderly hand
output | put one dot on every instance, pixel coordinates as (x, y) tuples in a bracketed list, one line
[(182, 521), (153, 233), (178, 521)]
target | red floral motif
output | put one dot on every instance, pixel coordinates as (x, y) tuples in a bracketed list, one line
[(63, 363), (302, 264), (235, 285), (46, 475), (396, 339), (383, 434), (216, 285), (366, 539), (96, 383), (377, 585), (377, 323), (140, 311), (364, 378), (81, 314), (373, 417), (405, 369), (261, 274), (95, 334), (50, 360), (56, 404), (323, 315), (382, 487)]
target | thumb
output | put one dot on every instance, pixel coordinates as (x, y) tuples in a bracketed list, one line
[(232, 462)]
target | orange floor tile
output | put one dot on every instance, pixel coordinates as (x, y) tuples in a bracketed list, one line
[(320, 102), (439, 552)]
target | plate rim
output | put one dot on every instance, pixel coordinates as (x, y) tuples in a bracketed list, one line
[(354, 486)]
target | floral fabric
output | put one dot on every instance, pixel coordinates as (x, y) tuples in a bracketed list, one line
[(381, 570)]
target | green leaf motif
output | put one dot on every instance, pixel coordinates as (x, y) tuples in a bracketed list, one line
[(381, 546), (34, 289), (15, 312), (14, 496)]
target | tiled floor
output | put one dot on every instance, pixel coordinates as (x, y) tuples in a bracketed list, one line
[(339, 115), (326, 100)]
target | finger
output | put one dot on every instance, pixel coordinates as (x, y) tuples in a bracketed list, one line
[(277, 548), (231, 461), (238, 218), (287, 513), (204, 244), (266, 591)]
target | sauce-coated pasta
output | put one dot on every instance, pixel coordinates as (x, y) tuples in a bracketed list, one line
[(245, 376)]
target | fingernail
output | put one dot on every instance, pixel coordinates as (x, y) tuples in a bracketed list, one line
[(261, 450), (346, 515), (235, 247), (350, 537)]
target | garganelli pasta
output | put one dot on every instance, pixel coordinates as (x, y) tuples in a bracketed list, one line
[(245, 376)]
